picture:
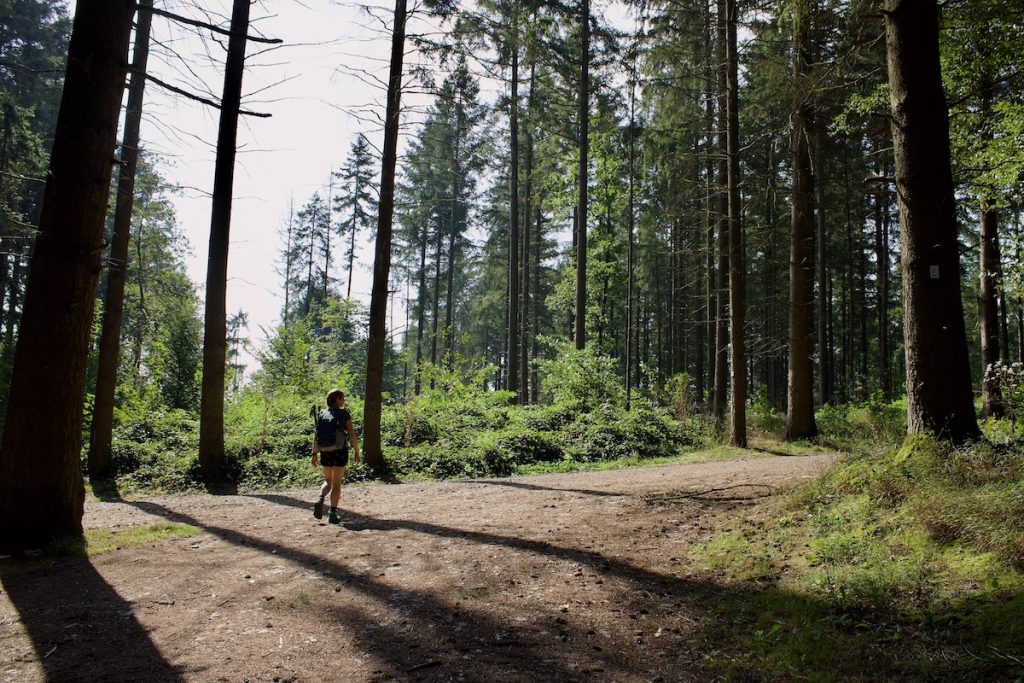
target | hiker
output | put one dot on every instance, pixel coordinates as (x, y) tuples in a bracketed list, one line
[(334, 432)]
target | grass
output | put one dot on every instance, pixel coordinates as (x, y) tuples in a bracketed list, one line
[(97, 542), (911, 561), (713, 454)]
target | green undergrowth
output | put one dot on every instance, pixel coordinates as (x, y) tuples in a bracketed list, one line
[(456, 428), (904, 564), (96, 542)]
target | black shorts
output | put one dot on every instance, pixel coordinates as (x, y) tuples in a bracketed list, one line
[(338, 458)]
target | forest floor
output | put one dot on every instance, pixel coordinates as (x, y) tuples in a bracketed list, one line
[(561, 577)]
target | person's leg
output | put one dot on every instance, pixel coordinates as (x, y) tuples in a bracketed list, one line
[(325, 488), (318, 507), (337, 475)]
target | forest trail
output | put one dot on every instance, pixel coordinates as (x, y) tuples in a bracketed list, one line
[(542, 578)]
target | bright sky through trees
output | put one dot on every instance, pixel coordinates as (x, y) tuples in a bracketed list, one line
[(324, 85)]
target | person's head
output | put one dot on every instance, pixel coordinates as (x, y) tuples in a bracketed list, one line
[(335, 398)]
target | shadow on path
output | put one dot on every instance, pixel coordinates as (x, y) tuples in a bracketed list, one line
[(81, 629), (404, 650), (537, 487)]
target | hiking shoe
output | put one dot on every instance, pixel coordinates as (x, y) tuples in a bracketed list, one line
[(318, 509), (333, 517)]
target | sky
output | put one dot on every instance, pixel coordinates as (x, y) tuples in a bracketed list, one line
[(317, 102), (322, 87)]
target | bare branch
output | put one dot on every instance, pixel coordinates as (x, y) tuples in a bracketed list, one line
[(197, 98), (212, 27)]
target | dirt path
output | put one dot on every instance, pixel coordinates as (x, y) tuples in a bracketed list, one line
[(547, 578)]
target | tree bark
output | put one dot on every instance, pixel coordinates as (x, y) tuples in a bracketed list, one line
[(990, 286), (991, 396), (453, 227), (41, 491), (512, 352), (421, 298), (211, 417), (382, 252), (800, 418), (436, 312), (524, 354), (882, 260), (722, 314), (630, 218), (939, 397), (288, 264), (113, 309), (737, 295), (824, 279), (584, 147)]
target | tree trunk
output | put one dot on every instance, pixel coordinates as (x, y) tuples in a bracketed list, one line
[(584, 147), (288, 264), (421, 297), (453, 226), (706, 339), (327, 235), (535, 337), (939, 398), (991, 276), (882, 259), (41, 492), (1004, 324), (800, 418), (722, 315), (630, 217), (113, 309), (737, 295), (382, 252), (512, 353), (351, 254), (211, 417), (524, 355), (991, 396), (18, 268), (436, 312), (824, 293)]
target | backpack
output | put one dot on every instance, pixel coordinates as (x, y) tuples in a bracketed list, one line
[(329, 428)]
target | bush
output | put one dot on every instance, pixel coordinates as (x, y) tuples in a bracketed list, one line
[(763, 416), (581, 377), (609, 433), (874, 421)]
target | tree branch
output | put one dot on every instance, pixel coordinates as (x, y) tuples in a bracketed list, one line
[(203, 100), (212, 27)]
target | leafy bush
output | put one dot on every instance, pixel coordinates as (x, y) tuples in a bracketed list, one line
[(1009, 379), (874, 421), (609, 433), (763, 416), (581, 377), (457, 429)]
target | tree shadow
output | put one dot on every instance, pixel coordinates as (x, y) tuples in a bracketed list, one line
[(779, 452), (439, 634), (105, 489), (404, 652), (537, 487), (81, 628)]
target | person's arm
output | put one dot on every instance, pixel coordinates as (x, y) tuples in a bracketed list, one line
[(316, 449), (353, 440)]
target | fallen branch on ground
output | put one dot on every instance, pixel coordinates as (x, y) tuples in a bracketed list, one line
[(679, 496)]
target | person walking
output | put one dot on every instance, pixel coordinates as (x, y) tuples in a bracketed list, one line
[(334, 433)]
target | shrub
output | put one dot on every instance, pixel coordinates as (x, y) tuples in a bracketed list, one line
[(612, 434), (763, 416), (874, 421), (581, 377)]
